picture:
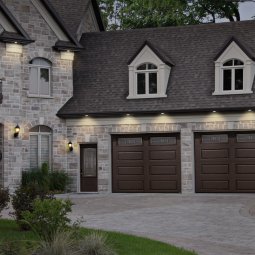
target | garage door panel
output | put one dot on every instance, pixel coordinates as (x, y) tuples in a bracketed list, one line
[(163, 185), (245, 153), (214, 154), (130, 155), (163, 170), (165, 155), (245, 169), (225, 169), (245, 185), (215, 169), (131, 170), (128, 186), (215, 185)]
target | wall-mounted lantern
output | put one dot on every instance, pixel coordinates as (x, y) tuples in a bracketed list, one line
[(70, 146), (17, 130)]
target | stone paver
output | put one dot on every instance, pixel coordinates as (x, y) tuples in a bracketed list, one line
[(214, 224)]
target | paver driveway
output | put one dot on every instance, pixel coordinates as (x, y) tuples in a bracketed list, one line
[(214, 224)]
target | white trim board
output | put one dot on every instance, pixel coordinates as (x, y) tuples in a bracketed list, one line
[(6, 24)]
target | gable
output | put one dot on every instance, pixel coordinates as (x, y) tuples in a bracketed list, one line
[(11, 30), (78, 20), (234, 49), (66, 41)]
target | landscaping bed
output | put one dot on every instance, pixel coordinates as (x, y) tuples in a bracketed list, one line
[(123, 244)]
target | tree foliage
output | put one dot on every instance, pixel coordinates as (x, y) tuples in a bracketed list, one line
[(126, 14)]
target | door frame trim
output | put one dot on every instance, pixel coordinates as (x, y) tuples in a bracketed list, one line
[(86, 145)]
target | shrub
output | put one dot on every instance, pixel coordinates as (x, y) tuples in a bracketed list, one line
[(95, 243), (48, 217), (12, 248), (46, 180), (62, 243), (37, 177), (4, 198), (58, 181), (23, 199)]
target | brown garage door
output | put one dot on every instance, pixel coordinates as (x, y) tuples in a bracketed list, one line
[(146, 163), (225, 162)]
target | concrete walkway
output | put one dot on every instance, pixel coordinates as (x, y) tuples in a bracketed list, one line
[(214, 224)]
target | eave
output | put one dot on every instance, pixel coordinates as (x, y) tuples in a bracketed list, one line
[(151, 113)]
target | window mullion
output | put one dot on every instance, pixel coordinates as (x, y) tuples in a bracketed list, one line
[(39, 150), (38, 80), (147, 83), (233, 79)]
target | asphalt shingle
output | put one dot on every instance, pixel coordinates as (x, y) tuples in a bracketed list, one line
[(101, 70)]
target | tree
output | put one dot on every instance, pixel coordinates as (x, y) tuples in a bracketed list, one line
[(126, 14)]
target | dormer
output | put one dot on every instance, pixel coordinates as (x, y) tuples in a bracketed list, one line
[(234, 70), (149, 72)]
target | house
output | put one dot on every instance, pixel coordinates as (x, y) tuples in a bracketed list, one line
[(148, 110), (164, 110), (37, 47)]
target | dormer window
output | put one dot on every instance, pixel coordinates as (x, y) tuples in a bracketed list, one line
[(147, 79), (233, 75), (149, 72), (234, 70)]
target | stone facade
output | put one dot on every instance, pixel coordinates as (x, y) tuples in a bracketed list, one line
[(81, 132), (18, 108)]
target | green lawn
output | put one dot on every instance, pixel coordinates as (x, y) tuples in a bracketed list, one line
[(124, 244)]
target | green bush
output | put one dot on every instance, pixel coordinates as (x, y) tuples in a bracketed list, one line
[(23, 199), (54, 181), (4, 198), (48, 217), (58, 181), (95, 243), (37, 177)]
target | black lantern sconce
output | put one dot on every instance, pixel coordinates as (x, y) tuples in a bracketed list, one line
[(70, 146), (17, 130)]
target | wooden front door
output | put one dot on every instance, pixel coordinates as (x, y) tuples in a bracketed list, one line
[(88, 171)]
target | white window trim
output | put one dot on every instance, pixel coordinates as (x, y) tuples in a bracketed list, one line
[(39, 67), (147, 82), (146, 55), (39, 135), (233, 51)]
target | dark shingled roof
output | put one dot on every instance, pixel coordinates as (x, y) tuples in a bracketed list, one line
[(101, 71), (72, 12)]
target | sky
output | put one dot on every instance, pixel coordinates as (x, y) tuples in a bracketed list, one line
[(247, 10)]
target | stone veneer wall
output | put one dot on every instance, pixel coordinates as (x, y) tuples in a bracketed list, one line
[(18, 108), (101, 135), (1, 156)]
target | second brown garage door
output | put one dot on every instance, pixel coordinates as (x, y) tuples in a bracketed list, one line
[(146, 163), (225, 162)]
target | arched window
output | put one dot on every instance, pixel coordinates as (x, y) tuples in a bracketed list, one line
[(146, 80), (40, 77), (40, 146), (233, 75)]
